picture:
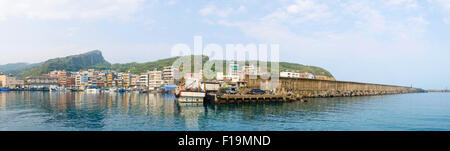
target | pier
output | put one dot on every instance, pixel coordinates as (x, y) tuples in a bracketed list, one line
[(248, 98), (313, 88)]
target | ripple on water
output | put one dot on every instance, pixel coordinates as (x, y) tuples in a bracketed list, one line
[(79, 111)]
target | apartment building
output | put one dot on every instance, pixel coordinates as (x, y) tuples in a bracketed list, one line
[(10, 82), (42, 81), (169, 74), (143, 80), (155, 79)]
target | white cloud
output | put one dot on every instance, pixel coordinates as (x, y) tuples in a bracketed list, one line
[(221, 12), (68, 9), (405, 3), (418, 20), (300, 11), (302, 6), (444, 3), (171, 2), (446, 20)]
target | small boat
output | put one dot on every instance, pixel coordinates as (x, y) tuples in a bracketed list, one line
[(167, 88), (191, 97), (93, 89), (4, 89)]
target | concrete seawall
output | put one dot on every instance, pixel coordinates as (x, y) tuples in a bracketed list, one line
[(322, 88)]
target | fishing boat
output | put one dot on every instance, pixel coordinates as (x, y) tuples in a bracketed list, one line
[(93, 89), (192, 93), (167, 88), (4, 89), (191, 97)]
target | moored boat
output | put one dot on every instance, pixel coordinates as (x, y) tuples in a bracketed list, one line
[(167, 88), (4, 89), (191, 97), (93, 89)]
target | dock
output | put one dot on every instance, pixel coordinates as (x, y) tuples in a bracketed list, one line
[(248, 98)]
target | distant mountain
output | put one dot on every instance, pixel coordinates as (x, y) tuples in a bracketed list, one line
[(94, 60), (16, 68)]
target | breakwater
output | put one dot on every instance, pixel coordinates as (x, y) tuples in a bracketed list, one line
[(323, 88)]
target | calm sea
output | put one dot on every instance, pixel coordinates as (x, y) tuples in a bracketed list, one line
[(160, 112)]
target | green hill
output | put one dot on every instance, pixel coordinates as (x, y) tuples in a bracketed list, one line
[(16, 68), (92, 59), (286, 66)]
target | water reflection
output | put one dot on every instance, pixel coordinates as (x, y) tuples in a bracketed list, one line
[(134, 111)]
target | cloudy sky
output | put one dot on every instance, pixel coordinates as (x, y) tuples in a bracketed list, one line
[(400, 42)]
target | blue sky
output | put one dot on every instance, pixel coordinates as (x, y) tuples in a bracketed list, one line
[(400, 42)]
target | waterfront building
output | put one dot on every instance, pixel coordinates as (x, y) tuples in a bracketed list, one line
[(233, 72), (155, 79), (134, 79), (320, 77), (3, 79), (10, 82), (42, 81), (70, 81), (307, 75), (250, 70), (127, 79), (109, 80), (143, 81), (81, 80), (170, 74), (62, 78), (289, 75), (219, 76)]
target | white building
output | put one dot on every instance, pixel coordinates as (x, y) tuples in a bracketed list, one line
[(289, 74), (143, 80), (219, 76), (155, 79), (169, 74)]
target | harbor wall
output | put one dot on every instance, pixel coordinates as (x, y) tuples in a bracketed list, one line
[(323, 88)]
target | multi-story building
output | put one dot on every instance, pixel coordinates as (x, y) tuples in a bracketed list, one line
[(219, 76), (45, 81), (134, 79), (62, 78), (234, 72), (10, 82), (170, 74), (110, 80), (320, 77), (250, 70), (307, 75), (155, 79), (70, 81), (127, 79), (290, 74), (81, 80), (143, 80)]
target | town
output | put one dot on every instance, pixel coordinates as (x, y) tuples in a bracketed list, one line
[(150, 81)]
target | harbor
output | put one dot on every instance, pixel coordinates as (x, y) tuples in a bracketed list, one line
[(81, 111)]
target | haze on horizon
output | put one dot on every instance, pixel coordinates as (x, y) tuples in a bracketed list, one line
[(399, 42)]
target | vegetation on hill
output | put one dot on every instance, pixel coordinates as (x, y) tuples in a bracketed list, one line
[(16, 68), (69, 63)]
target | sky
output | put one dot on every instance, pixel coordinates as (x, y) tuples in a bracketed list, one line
[(399, 42)]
